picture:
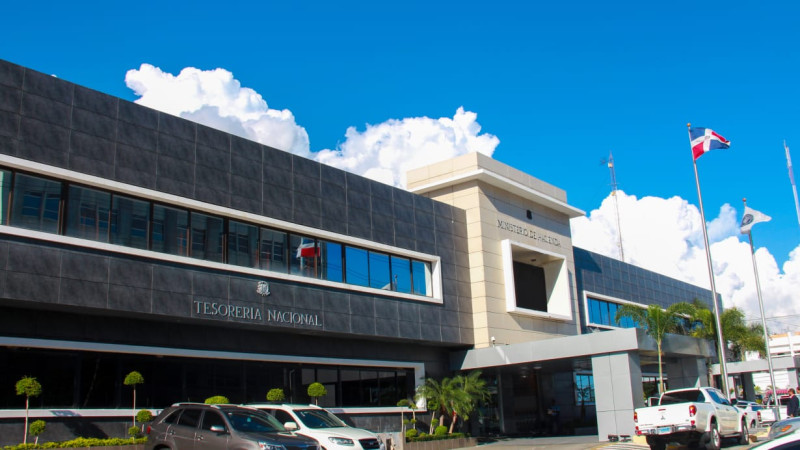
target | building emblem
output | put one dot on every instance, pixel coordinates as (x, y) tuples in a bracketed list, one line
[(263, 288)]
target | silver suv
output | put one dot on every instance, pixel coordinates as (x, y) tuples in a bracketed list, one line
[(197, 426), (322, 425)]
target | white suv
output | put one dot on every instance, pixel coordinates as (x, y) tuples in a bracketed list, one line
[(322, 425)]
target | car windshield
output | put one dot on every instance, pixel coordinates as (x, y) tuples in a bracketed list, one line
[(253, 421), (318, 418)]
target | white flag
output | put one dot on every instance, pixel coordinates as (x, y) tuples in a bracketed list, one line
[(752, 217)]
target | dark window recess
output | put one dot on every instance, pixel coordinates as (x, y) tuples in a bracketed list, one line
[(530, 287)]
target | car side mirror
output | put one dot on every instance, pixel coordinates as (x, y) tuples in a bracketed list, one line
[(219, 429), (291, 426)]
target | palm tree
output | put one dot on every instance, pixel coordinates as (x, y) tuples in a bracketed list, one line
[(469, 391), (657, 322), (740, 336), (435, 396)]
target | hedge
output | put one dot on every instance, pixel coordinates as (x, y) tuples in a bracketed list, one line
[(79, 442)]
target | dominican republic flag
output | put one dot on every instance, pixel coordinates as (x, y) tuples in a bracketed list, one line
[(307, 249), (752, 217), (705, 139)]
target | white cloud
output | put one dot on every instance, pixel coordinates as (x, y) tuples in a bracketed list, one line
[(665, 235), (216, 99), (383, 152)]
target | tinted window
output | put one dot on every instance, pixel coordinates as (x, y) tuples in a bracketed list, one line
[(331, 255), (212, 418), (273, 248), (36, 203), (421, 278), (207, 234), (304, 256), (130, 219), (172, 417), (88, 213), (170, 230), (318, 418), (401, 274), (531, 292), (356, 266), (283, 416), (190, 418), (379, 276), (682, 397), (251, 421), (242, 244), (5, 192)]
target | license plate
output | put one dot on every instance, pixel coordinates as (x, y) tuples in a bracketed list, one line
[(665, 430)]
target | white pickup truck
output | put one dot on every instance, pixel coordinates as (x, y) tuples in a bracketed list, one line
[(694, 417)]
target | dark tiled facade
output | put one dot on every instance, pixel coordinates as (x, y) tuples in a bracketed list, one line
[(602, 275), (50, 121)]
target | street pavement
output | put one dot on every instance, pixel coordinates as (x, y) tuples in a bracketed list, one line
[(583, 443)]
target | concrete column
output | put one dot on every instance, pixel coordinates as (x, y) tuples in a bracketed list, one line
[(618, 391), (686, 372), (747, 385)]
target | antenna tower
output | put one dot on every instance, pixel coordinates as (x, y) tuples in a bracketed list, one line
[(616, 203)]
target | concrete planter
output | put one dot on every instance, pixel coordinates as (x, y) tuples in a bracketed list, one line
[(442, 444)]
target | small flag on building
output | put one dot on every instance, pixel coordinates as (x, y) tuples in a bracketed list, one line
[(307, 249), (705, 139), (752, 217)]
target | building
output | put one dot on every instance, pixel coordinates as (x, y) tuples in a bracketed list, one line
[(751, 377), (131, 239)]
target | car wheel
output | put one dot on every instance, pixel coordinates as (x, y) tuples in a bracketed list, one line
[(744, 438), (714, 439), (656, 443)]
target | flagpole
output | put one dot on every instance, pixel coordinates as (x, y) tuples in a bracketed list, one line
[(720, 339), (764, 325), (791, 179)]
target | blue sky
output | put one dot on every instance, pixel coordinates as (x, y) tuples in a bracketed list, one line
[(560, 84)]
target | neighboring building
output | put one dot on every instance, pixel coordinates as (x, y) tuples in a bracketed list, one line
[(131, 239), (753, 374)]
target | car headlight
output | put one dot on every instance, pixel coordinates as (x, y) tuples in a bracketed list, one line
[(267, 446), (341, 441)]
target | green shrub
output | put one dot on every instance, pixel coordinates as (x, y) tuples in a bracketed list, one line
[(80, 442), (430, 437), (275, 395), (316, 390), (412, 433), (440, 430), (144, 416), (37, 427), (133, 431), (217, 399)]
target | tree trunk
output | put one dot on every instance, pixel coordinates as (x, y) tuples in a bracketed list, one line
[(25, 436), (453, 422), (134, 405), (660, 370)]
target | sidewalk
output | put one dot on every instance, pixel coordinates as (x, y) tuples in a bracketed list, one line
[(560, 442)]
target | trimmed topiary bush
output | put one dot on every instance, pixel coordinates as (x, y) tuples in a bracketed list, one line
[(275, 395), (411, 434), (37, 427), (217, 399), (440, 430), (144, 416), (316, 390)]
